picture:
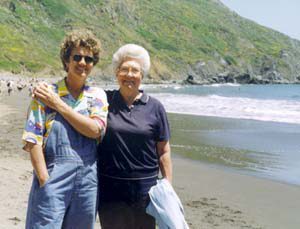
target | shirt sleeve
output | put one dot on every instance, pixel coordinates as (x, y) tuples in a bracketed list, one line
[(99, 110), (35, 123), (163, 133)]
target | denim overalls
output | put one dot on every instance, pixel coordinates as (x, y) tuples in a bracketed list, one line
[(69, 197)]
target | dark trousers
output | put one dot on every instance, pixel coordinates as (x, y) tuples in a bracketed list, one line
[(120, 215), (123, 204)]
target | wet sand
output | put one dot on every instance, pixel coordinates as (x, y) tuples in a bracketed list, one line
[(212, 197), (265, 149)]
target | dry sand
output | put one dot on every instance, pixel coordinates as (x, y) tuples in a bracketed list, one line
[(212, 198)]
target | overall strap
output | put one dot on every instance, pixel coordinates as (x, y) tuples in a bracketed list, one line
[(52, 116)]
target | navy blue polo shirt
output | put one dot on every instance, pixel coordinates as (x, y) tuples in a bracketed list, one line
[(128, 149)]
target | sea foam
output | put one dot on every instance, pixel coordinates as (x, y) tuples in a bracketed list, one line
[(286, 111)]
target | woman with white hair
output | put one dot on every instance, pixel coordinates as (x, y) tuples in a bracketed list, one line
[(135, 147)]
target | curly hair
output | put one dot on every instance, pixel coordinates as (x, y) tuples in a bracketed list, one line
[(79, 38)]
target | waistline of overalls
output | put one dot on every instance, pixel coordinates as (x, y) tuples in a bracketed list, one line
[(79, 159)]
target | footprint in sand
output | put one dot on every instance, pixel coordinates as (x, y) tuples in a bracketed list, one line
[(217, 215), (15, 219)]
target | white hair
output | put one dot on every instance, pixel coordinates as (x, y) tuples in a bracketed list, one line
[(133, 51)]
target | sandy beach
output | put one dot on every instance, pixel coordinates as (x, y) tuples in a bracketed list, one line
[(212, 197)]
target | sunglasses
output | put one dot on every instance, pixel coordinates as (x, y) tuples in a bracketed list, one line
[(87, 59)]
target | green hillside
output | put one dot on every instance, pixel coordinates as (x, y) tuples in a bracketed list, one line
[(201, 38)]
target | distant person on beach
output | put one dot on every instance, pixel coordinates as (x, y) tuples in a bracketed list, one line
[(135, 147), (30, 88), (9, 87), (20, 87), (1, 82), (65, 122)]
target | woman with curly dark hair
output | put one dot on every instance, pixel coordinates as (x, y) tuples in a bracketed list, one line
[(65, 123)]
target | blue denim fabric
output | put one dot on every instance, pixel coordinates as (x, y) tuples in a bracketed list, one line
[(166, 207), (69, 197)]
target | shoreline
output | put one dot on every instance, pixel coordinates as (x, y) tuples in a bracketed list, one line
[(213, 198), (229, 170), (257, 148)]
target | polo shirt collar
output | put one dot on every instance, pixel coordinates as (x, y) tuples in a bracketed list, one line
[(62, 89), (144, 99)]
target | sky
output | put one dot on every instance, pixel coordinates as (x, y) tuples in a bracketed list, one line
[(281, 15)]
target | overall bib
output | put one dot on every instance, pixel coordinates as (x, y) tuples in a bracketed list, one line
[(69, 197)]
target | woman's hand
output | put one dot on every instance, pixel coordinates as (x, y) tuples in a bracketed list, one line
[(83, 124), (44, 93), (38, 162), (43, 178)]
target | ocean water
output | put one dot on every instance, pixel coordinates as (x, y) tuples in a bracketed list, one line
[(278, 103), (252, 129)]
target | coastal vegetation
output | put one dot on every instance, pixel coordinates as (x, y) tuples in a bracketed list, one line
[(199, 39)]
